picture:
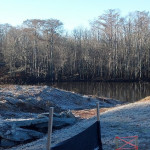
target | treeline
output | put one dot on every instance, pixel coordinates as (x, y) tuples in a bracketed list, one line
[(114, 48)]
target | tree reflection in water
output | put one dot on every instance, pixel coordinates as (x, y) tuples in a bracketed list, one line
[(124, 91)]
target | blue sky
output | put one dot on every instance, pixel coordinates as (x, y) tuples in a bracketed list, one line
[(72, 13)]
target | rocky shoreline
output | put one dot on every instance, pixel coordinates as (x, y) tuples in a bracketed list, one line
[(19, 131), (123, 121), (23, 111)]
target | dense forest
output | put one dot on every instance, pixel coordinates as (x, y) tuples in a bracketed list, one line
[(115, 48)]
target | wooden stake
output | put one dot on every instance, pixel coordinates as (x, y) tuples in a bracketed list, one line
[(50, 124), (116, 141), (98, 116), (136, 142)]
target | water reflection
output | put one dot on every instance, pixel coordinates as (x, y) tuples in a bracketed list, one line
[(123, 91)]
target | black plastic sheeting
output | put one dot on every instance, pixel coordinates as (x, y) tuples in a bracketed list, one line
[(89, 139)]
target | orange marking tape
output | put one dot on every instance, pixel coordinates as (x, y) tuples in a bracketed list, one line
[(127, 142)]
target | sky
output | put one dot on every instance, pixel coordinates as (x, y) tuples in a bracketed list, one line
[(73, 13)]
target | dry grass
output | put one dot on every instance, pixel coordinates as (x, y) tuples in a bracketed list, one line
[(88, 113), (145, 99)]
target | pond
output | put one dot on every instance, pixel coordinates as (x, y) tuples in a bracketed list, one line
[(124, 91)]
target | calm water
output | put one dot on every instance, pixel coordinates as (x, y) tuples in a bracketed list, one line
[(124, 91)]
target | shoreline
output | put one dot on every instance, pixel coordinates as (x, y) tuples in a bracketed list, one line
[(25, 107), (116, 120), (126, 120)]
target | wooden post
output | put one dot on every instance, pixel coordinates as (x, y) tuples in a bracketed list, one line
[(116, 141), (136, 142), (50, 124), (98, 116)]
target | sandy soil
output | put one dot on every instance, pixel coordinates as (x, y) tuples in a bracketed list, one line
[(88, 113)]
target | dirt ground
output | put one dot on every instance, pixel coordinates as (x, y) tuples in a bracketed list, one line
[(88, 113)]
